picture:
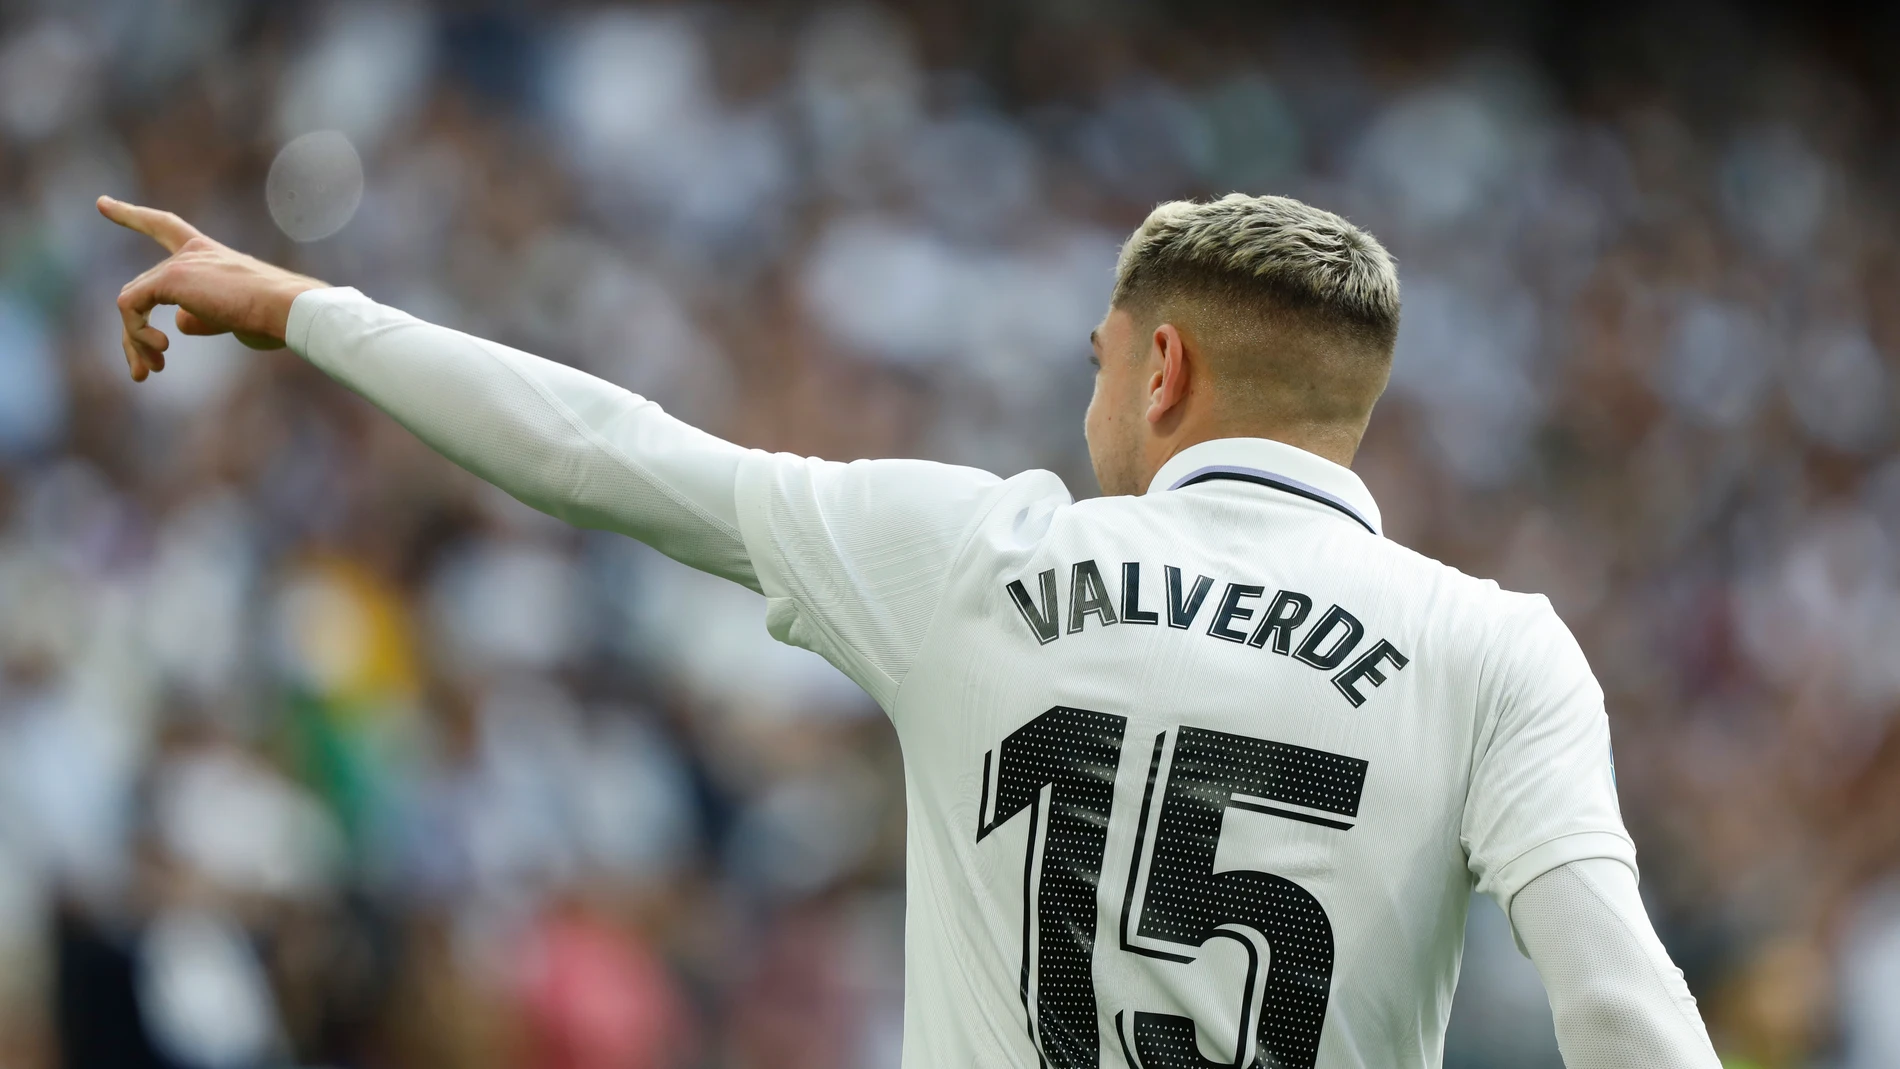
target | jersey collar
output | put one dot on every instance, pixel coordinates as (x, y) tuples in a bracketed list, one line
[(1275, 464)]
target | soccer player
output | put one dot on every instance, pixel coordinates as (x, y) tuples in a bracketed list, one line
[(1200, 772)]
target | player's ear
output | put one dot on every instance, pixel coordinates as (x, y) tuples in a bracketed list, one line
[(1168, 382)]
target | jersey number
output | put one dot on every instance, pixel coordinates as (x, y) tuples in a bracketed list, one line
[(1062, 767)]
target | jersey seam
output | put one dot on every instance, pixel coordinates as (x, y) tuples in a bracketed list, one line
[(798, 592), (301, 342), (936, 608), (1487, 729), (1635, 937), (838, 641), (1561, 836)]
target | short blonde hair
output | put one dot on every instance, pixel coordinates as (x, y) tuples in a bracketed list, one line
[(1270, 253)]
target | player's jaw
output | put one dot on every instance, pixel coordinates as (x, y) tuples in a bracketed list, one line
[(1114, 424)]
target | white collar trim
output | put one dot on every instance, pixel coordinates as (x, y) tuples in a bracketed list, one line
[(1275, 464)]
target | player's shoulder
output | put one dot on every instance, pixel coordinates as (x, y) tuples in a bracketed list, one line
[(1475, 613), (1506, 642), (1481, 594), (927, 491), (1020, 510)]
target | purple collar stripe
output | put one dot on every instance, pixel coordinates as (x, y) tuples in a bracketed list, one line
[(1267, 478)]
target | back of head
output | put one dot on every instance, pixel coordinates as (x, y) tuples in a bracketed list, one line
[(1294, 310)]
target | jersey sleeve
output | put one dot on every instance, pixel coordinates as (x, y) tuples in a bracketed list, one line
[(556, 438), (1615, 997), (854, 558), (1543, 784)]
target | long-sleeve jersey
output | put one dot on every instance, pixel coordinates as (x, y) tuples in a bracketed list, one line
[(1201, 776)]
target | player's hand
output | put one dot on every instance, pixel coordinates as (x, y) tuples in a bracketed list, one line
[(217, 290)]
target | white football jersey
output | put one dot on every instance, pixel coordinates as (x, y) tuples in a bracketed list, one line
[(1202, 777)]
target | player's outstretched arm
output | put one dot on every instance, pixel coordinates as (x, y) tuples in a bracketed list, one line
[(554, 437), (1618, 1001), (853, 556)]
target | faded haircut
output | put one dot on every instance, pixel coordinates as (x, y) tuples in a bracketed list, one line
[(1272, 256)]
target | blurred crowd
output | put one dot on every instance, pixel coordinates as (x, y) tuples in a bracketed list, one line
[(315, 751)]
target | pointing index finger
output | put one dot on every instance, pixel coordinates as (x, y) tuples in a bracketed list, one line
[(163, 227)]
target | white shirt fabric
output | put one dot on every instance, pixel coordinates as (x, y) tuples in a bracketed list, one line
[(1616, 998), (1198, 777)]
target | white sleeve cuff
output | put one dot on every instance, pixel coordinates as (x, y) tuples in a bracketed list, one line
[(306, 310), (1504, 882)]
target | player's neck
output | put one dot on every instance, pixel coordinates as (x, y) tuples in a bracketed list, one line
[(1333, 442)]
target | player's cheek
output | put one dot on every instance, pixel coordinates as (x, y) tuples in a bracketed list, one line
[(1092, 416)]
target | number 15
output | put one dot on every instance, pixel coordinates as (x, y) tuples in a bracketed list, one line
[(1061, 767)]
